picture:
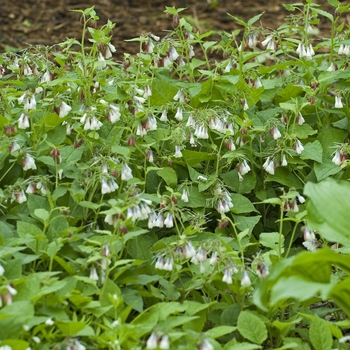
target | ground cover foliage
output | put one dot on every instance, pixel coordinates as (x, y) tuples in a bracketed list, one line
[(172, 202)]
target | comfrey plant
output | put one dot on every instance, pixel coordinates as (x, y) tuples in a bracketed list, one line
[(174, 201)]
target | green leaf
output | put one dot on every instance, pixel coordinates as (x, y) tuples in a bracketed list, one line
[(25, 229), (254, 19), (42, 215), (326, 169), (169, 176), (328, 209), (341, 295), (242, 346), (12, 318), (246, 222), (70, 328), (219, 331), (285, 177), (193, 157), (241, 204), (298, 288), (320, 334), (163, 91), (271, 240), (312, 151), (252, 327)]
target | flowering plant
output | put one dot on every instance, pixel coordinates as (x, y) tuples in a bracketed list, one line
[(159, 202)]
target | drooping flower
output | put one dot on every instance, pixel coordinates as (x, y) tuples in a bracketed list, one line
[(300, 119), (169, 264), (206, 345), (201, 254), (284, 160), (28, 162), (126, 173), (179, 114), (275, 133), (20, 197), (64, 109), (164, 343), (152, 342), (269, 166), (338, 102), (164, 116), (227, 276), (245, 282), (173, 55), (189, 251), (114, 113), (93, 274), (243, 167), (184, 196), (298, 147), (214, 258), (337, 158), (178, 153), (104, 187), (169, 221), (179, 96), (23, 121), (159, 263)]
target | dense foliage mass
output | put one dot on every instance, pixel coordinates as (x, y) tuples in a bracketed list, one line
[(177, 202)]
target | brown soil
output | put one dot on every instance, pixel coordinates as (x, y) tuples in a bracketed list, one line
[(47, 22)]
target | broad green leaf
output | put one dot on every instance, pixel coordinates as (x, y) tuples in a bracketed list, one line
[(246, 222), (132, 297), (42, 215), (298, 288), (241, 204), (26, 229), (341, 295), (193, 157), (285, 177), (242, 346), (304, 131), (252, 327), (326, 169), (12, 318), (163, 91), (289, 92), (271, 240), (328, 209), (328, 139), (320, 334), (219, 331), (169, 176), (70, 328), (312, 151), (231, 180)]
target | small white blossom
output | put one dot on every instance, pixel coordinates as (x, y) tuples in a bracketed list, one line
[(93, 274), (184, 196), (227, 276), (152, 342), (338, 102), (178, 153), (298, 147), (179, 114), (245, 282), (49, 321), (126, 173), (23, 121), (64, 109), (164, 343), (28, 162)]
